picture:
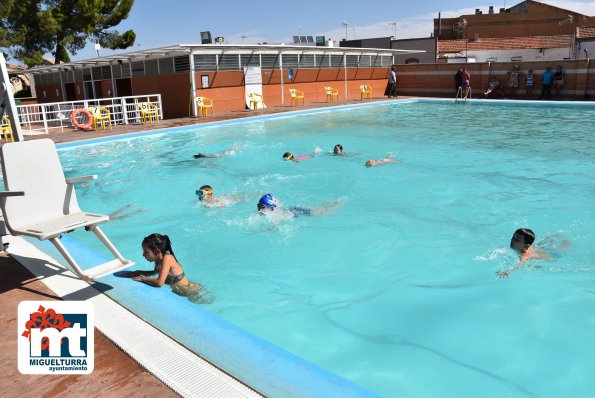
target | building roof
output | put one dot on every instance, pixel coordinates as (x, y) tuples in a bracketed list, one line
[(187, 49), (504, 43), (587, 32)]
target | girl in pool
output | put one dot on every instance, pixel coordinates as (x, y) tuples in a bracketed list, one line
[(387, 159), (290, 156), (157, 248)]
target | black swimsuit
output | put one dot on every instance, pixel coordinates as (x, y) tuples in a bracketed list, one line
[(170, 279)]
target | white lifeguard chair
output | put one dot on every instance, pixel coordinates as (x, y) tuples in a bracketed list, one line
[(40, 202)]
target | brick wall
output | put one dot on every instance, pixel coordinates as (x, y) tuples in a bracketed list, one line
[(437, 80)]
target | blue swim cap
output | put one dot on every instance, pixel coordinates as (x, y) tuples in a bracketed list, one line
[(268, 200)]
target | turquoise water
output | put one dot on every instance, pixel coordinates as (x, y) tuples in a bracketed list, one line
[(394, 289)]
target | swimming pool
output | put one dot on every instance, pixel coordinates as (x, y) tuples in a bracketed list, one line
[(395, 289)]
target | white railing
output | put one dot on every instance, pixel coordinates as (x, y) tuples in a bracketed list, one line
[(52, 116)]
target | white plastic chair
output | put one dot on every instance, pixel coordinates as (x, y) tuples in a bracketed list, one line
[(40, 202)]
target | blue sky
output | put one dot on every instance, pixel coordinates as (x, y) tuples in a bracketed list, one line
[(158, 23)]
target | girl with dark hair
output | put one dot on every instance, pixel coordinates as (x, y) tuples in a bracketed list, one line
[(157, 248)]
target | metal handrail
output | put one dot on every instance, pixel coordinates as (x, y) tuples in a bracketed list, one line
[(43, 118)]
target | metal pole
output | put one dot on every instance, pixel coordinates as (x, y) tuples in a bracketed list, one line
[(192, 85), (282, 89), (345, 71)]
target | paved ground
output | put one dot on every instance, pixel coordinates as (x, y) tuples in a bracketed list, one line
[(115, 373)]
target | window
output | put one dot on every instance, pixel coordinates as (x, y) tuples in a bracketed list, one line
[(206, 62)]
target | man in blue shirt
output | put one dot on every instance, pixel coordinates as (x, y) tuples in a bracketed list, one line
[(546, 85)]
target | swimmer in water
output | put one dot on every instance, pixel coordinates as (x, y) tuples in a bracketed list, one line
[(338, 151), (229, 151), (157, 249), (268, 203), (205, 196), (290, 156), (522, 242), (379, 162)]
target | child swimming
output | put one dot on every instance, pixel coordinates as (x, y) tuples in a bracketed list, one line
[(522, 242), (290, 156), (206, 198), (268, 204), (379, 162), (230, 151), (157, 248)]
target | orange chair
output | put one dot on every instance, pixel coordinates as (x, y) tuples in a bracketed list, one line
[(204, 104), (331, 94), (365, 90), (296, 95)]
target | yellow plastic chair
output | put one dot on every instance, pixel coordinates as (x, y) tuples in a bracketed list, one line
[(365, 90), (101, 115), (148, 112), (6, 129), (331, 94), (256, 99), (204, 104), (296, 95)]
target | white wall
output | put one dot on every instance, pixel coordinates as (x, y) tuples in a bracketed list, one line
[(520, 55), (590, 46)]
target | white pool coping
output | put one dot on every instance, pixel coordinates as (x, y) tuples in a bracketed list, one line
[(177, 367)]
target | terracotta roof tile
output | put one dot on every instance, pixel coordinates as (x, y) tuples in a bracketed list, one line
[(504, 43), (586, 32)]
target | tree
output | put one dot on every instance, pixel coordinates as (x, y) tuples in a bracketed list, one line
[(31, 28)]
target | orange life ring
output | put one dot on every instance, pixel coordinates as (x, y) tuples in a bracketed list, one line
[(88, 121)]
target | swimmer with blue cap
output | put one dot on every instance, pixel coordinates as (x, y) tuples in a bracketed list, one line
[(268, 203)]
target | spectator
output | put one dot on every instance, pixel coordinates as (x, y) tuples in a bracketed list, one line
[(530, 82), (458, 80), (392, 82), (466, 83), (493, 90), (513, 81), (546, 83)]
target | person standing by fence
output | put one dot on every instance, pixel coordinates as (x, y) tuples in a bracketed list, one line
[(392, 83)]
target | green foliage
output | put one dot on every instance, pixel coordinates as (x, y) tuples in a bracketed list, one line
[(31, 28)]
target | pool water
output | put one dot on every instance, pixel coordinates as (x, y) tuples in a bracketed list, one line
[(395, 288)]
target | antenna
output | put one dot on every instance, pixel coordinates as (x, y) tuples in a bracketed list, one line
[(394, 25), (569, 18), (345, 25)]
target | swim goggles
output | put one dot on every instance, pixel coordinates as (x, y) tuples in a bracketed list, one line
[(201, 193)]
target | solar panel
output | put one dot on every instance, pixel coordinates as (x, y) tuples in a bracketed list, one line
[(296, 39), (310, 39), (303, 39)]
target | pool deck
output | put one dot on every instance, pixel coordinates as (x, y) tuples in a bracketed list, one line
[(78, 135), (115, 373)]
